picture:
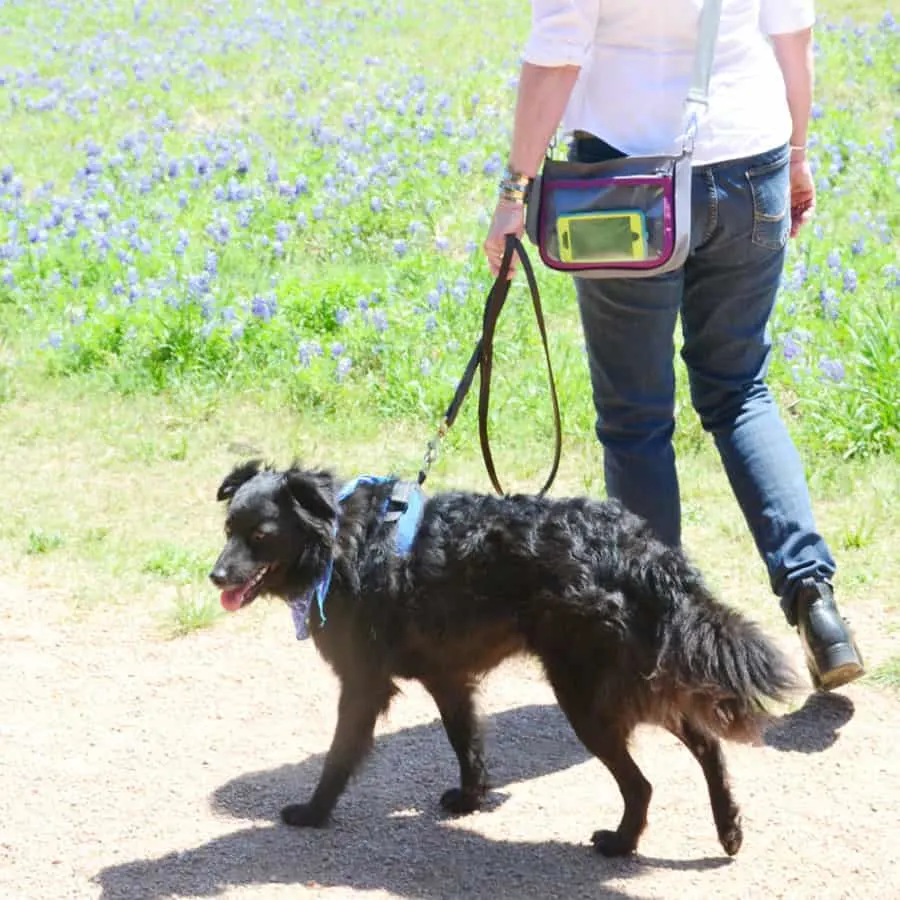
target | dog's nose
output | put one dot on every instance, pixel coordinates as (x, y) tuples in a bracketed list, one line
[(218, 577)]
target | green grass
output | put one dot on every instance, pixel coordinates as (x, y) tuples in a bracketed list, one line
[(40, 541), (134, 370), (888, 673), (190, 613)]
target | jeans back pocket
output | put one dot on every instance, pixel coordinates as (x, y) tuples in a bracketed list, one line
[(770, 189)]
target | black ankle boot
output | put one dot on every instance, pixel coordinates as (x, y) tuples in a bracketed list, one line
[(831, 652)]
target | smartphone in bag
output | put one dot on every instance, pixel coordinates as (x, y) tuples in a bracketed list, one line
[(618, 236)]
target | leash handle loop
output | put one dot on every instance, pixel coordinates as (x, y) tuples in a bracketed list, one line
[(493, 306), (481, 361)]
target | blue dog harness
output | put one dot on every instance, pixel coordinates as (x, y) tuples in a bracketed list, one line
[(404, 507)]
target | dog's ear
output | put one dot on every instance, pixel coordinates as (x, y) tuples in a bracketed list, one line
[(313, 492), (240, 475)]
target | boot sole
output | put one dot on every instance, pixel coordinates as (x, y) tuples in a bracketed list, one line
[(845, 666)]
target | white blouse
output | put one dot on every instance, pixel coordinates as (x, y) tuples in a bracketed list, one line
[(636, 59)]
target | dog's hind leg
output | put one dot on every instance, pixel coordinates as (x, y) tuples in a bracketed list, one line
[(454, 699), (360, 705), (610, 746), (708, 752)]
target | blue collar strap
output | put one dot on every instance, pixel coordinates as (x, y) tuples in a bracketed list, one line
[(404, 507)]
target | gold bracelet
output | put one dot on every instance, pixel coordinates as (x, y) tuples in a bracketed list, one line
[(516, 198), (514, 187)]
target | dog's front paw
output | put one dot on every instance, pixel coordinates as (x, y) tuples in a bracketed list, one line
[(611, 843), (460, 802), (303, 815), (732, 837)]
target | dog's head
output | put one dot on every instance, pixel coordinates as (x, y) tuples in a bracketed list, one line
[(279, 529)]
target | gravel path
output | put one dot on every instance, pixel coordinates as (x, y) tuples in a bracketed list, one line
[(134, 768)]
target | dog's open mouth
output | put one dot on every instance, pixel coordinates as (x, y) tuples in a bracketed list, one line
[(234, 598)]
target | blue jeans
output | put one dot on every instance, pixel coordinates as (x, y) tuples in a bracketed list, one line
[(725, 293)]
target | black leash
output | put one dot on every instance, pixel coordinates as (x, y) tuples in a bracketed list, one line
[(482, 359)]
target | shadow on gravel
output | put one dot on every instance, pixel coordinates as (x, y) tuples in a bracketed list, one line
[(388, 833), (814, 727), (410, 769)]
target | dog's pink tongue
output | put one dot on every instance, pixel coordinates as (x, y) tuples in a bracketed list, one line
[(231, 600)]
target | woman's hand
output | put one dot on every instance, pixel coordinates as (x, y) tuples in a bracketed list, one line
[(803, 194), (509, 218)]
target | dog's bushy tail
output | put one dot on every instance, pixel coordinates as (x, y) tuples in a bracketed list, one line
[(730, 670)]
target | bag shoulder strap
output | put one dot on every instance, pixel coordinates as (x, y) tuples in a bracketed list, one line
[(708, 31)]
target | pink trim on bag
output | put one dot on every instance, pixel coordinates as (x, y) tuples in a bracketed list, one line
[(668, 183)]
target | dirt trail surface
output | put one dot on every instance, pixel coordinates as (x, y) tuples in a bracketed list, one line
[(139, 768)]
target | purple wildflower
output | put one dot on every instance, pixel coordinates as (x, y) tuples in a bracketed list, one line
[(832, 369), (791, 347)]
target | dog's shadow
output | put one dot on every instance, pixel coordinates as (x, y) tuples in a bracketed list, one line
[(520, 744), (388, 833)]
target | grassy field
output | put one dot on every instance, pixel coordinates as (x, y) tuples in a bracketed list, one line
[(252, 227)]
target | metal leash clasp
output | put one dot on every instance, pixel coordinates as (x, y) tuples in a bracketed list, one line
[(432, 450)]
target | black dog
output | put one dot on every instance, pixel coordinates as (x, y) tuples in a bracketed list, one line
[(625, 629)]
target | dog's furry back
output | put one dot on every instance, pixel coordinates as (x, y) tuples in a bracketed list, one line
[(577, 583)]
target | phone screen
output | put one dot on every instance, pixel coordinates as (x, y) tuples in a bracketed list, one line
[(601, 238)]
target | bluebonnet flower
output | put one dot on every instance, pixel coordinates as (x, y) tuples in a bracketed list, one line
[(343, 367), (400, 248), (337, 349), (830, 302), (832, 369), (341, 316), (263, 307), (851, 281), (791, 347), (493, 165), (379, 321), (306, 351)]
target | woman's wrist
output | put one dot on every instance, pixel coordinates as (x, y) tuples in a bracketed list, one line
[(798, 152), (514, 187)]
